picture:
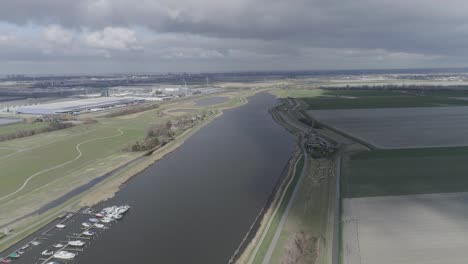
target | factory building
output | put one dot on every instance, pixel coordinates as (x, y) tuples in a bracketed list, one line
[(77, 106)]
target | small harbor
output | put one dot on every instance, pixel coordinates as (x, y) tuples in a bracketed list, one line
[(64, 239)]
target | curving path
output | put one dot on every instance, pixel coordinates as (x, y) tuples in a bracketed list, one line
[(77, 147)]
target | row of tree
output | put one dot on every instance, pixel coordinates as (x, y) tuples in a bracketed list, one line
[(55, 125), (132, 110), (161, 134)]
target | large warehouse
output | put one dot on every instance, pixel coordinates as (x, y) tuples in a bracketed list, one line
[(77, 106)]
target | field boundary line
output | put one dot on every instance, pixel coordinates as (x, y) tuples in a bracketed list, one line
[(77, 147)]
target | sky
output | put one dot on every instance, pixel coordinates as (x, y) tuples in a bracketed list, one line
[(105, 36)]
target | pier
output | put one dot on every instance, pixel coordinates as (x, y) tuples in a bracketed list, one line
[(30, 250)]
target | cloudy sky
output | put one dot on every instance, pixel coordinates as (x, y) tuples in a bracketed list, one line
[(86, 36)]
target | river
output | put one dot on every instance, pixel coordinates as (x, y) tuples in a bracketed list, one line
[(196, 204)]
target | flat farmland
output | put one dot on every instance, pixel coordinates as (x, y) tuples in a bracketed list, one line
[(411, 229), (392, 128)]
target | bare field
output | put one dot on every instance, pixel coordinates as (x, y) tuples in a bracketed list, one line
[(391, 128), (411, 229)]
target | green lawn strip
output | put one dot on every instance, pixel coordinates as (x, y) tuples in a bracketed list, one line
[(277, 217), (5, 152), (9, 129), (406, 171), (297, 93)]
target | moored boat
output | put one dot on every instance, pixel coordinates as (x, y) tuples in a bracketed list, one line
[(88, 233), (65, 255), (76, 243), (47, 253)]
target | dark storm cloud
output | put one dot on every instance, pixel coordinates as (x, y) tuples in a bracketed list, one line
[(412, 26), (369, 30)]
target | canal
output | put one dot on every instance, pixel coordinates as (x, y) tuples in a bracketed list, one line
[(196, 204)]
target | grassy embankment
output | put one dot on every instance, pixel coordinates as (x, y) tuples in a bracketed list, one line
[(102, 155), (306, 233), (307, 223), (277, 216)]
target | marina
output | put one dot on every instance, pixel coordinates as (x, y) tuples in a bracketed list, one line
[(64, 239), (192, 201)]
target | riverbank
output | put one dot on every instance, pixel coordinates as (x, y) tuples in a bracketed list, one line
[(300, 224), (259, 229), (109, 186)]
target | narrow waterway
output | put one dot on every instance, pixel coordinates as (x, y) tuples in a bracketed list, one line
[(195, 205)]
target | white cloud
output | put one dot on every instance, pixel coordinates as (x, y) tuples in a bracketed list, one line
[(57, 34), (112, 38)]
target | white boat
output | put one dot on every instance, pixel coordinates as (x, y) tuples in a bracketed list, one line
[(106, 220), (60, 226), (47, 253), (99, 226), (35, 243), (89, 233), (59, 245), (65, 255), (86, 224), (93, 220), (76, 243), (100, 215), (116, 216)]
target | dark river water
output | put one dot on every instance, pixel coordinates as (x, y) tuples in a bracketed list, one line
[(196, 204)]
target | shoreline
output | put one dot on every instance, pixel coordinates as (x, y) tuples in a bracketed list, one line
[(252, 237), (108, 186)]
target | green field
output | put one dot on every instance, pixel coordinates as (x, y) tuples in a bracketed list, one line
[(297, 93), (364, 98), (9, 129), (405, 171)]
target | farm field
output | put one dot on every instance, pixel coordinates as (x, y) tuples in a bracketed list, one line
[(380, 98), (411, 229), (401, 127), (405, 171)]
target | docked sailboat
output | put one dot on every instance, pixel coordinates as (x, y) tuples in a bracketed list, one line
[(76, 243), (89, 233), (65, 255), (47, 253)]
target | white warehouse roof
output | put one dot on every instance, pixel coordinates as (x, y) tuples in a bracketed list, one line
[(75, 105)]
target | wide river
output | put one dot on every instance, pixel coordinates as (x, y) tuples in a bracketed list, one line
[(196, 204)]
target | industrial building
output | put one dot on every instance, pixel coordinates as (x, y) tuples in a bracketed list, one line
[(77, 106)]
